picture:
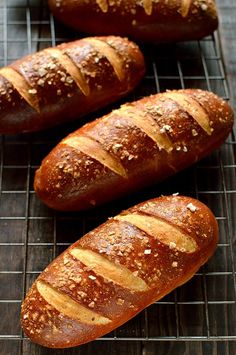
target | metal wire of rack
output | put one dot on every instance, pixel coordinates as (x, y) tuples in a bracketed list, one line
[(197, 318)]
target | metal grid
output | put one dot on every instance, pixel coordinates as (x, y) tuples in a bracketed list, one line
[(197, 318)]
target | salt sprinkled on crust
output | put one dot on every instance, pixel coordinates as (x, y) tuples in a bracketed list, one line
[(191, 207), (32, 91), (194, 132), (174, 264), (147, 251), (166, 128), (172, 245)]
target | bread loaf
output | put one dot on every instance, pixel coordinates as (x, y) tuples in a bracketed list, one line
[(146, 20), (118, 269), (139, 144), (66, 82)]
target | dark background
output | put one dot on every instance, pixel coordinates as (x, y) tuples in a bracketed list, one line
[(198, 318)]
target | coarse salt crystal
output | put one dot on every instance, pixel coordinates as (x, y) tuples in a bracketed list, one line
[(120, 301), (41, 82), (42, 72), (172, 245), (166, 128), (147, 251), (191, 207), (204, 7), (32, 91), (116, 147)]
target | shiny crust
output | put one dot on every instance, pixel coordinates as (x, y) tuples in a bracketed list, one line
[(90, 294), (66, 82), (142, 20), (169, 138)]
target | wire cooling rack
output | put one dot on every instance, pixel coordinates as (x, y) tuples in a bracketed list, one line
[(198, 318)]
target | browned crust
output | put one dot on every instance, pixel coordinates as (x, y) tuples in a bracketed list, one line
[(147, 20), (162, 266), (69, 179), (66, 82)]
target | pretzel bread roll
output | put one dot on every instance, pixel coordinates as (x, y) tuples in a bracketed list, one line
[(139, 144), (68, 81), (142, 20), (118, 269)]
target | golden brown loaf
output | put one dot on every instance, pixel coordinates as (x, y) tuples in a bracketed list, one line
[(139, 144), (145, 20), (67, 81), (118, 269)]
